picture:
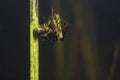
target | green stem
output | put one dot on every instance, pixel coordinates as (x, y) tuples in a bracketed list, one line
[(34, 48)]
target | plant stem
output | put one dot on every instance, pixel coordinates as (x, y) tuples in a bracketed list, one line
[(34, 48), (114, 63)]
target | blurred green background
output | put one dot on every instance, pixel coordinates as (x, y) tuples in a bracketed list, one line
[(90, 50)]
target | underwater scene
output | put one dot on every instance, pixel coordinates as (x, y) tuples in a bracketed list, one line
[(60, 40)]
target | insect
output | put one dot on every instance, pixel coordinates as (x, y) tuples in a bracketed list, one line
[(54, 29)]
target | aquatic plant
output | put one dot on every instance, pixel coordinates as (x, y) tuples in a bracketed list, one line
[(34, 44)]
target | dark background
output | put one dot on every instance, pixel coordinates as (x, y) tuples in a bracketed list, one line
[(14, 41), (14, 33)]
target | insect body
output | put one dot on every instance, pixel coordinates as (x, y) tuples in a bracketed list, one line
[(54, 28)]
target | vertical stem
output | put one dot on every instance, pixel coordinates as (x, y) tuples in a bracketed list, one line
[(88, 48), (59, 60), (71, 59), (114, 63), (59, 47), (34, 49)]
